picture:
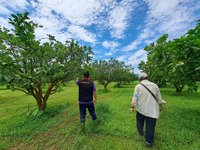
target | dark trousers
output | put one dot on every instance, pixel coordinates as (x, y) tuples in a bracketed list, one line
[(150, 126), (91, 109)]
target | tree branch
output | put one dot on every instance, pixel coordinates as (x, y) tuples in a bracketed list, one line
[(48, 91), (26, 92)]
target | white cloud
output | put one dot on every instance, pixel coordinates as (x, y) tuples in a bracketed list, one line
[(88, 12), (171, 16), (82, 33), (8, 7), (77, 12), (62, 26), (16, 5), (110, 44), (4, 23), (109, 54), (51, 25), (121, 58), (119, 17), (117, 22), (76, 15), (137, 71), (41, 9), (161, 9), (4, 11), (138, 54), (33, 4), (57, 25), (142, 38), (134, 59), (88, 19), (132, 46), (137, 57), (41, 34), (146, 33)]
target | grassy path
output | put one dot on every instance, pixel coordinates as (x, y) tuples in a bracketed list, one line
[(177, 128)]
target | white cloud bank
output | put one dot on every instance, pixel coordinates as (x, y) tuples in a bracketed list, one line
[(67, 19), (173, 17)]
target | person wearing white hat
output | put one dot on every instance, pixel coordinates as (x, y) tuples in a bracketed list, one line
[(147, 100)]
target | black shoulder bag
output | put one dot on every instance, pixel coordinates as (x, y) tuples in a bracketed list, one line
[(150, 92)]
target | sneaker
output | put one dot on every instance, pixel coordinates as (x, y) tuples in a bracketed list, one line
[(149, 145)]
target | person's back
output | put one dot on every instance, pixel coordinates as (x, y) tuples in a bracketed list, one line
[(146, 104), (146, 99), (85, 90)]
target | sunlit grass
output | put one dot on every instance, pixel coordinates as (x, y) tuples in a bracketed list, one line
[(177, 128)]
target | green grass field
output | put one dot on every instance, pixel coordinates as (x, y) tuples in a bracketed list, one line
[(177, 128)]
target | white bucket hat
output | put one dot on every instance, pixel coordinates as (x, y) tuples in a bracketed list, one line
[(143, 75)]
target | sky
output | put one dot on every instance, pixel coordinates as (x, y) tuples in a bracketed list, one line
[(113, 28)]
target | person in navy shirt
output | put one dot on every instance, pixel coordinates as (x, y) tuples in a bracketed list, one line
[(87, 98)]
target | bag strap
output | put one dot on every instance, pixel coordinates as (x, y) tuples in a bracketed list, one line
[(150, 92)]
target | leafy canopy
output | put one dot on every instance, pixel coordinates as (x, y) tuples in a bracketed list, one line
[(34, 67)]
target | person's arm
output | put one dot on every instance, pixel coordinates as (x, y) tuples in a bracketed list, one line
[(134, 99), (94, 94), (77, 81), (95, 97), (159, 98)]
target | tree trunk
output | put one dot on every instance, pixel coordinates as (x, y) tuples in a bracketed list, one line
[(179, 88), (105, 86), (119, 84), (41, 105), (37, 94)]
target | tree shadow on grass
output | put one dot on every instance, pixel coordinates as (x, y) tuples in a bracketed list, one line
[(127, 86), (3, 88), (56, 109), (101, 91), (29, 125)]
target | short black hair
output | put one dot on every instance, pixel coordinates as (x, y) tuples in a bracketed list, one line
[(143, 78), (86, 74)]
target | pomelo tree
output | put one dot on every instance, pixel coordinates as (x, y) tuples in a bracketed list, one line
[(112, 70), (176, 62), (37, 68)]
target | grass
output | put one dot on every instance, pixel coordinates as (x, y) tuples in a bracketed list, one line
[(177, 128)]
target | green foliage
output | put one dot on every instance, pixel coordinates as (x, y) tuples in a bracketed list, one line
[(122, 74), (157, 58), (37, 68), (102, 70), (176, 62), (112, 70)]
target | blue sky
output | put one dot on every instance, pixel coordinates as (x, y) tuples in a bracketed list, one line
[(113, 28)]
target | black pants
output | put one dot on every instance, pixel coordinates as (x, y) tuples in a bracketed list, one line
[(91, 109), (150, 126)]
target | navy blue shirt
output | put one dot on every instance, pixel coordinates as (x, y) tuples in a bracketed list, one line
[(86, 89)]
